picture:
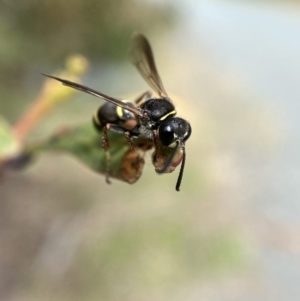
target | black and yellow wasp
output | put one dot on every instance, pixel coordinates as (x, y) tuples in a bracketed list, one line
[(149, 117)]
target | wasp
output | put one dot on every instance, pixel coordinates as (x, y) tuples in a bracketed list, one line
[(150, 117)]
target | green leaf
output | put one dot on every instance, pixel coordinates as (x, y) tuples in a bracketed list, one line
[(85, 143)]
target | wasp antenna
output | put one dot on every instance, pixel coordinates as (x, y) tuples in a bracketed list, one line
[(181, 170)]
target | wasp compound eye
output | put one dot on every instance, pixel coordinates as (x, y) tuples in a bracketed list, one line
[(166, 134)]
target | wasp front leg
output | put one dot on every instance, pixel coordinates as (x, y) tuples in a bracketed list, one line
[(156, 141)]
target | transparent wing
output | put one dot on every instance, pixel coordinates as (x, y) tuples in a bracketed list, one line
[(119, 103), (141, 56)]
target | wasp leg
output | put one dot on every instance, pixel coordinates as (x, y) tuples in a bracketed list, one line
[(157, 155), (105, 146), (139, 100), (128, 138), (156, 140)]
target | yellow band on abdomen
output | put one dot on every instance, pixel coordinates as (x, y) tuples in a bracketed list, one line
[(96, 119)]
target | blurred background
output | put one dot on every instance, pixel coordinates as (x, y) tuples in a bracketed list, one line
[(233, 231)]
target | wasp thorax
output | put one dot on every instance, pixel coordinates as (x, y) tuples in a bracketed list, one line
[(158, 109), (173, 130)]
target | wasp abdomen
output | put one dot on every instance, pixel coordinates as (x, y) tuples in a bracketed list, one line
[(104, 115), (110, 114)]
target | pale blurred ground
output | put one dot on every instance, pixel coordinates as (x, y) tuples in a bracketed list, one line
[(232, 233)]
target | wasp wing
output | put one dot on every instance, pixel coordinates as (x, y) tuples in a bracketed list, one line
[(136, 111), (141, 56)]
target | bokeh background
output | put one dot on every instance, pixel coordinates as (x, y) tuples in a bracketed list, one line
[(233, 232)]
